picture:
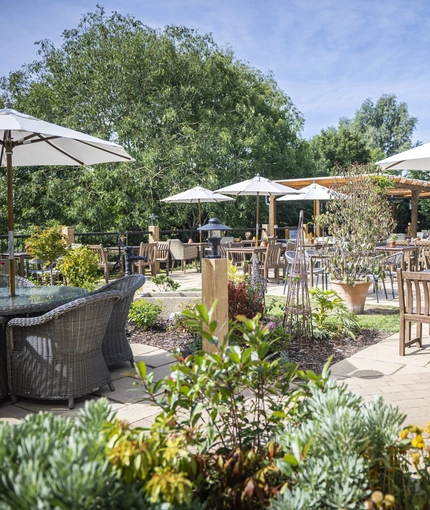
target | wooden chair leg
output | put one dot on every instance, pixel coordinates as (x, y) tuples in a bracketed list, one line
[(402, 338)]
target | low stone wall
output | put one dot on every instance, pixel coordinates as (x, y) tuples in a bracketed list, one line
[(171, 301)]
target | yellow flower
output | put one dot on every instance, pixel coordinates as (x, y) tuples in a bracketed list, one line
[(418, 442), (415, 457), (404, 434), (427, 428)]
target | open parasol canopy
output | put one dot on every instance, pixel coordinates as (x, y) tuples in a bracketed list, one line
[(27, 141), (417, 158), (257, 186), (197, 195)]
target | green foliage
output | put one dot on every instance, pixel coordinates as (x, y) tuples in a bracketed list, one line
[(47, 245), (230, 434), (80, 267), (48, 461), (343, 452), (386, 125), (183, 106), (350, 219), (244, 298), (328, 304), (144, 314), (160, 460), (165, 283), (341, 146)]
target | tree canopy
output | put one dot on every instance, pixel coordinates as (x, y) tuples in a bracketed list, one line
[(385, 125), (184, 108)]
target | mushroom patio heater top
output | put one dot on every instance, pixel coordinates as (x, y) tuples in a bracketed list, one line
[(214, 228)]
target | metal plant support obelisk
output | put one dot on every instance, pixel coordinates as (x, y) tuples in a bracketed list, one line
[(298, 313)]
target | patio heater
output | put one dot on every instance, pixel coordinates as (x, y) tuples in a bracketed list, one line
[(214, 228)]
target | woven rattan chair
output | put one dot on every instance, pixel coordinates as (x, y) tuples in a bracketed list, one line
[(58, 356), (20, 281), (4, 390), (115, 347)]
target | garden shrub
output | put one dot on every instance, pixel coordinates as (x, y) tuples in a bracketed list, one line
[(244, 297), (165, 283), (144, 314), (80, 267), (49, 461), (330, 315)]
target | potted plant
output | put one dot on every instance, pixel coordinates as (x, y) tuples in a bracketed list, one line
[(248, 236), (393, 239), (264, 241), (357, 218)]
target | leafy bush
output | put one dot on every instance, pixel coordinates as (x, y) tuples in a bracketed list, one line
[(330, 315), (80, 267), (165, 283), (144, 314), (47, 245), (244, 298), (49, 461)]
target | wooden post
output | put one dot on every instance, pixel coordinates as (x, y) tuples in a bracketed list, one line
[(414, 212), (69, 232), (215, 286), (272, 215), (317, 212), (154, 237)]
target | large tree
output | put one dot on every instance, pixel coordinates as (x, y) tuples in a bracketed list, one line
[(186, 109), (386, 124), (339, 147)]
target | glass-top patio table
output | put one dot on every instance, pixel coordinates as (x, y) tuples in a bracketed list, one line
[(37, 299)]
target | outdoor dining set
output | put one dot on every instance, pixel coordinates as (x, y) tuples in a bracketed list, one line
[(58, 342)]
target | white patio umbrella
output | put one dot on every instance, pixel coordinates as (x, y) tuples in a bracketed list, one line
[(27, 141), (197, 195), (314, 192), (413, 159), (257, 186)]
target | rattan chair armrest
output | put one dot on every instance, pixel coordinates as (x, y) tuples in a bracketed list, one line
[(57, 312)]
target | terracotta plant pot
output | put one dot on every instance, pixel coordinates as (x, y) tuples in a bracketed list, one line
[(354, 297), (392, 244), (263, 243)]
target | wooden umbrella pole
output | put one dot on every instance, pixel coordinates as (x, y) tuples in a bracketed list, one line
[(200, 221), (257, 220), (8, 144)]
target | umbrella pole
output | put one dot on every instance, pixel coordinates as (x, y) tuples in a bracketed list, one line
[(257, 219), (8, 144), (200, 222)]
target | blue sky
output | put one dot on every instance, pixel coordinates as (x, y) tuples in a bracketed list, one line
[(327, 55)]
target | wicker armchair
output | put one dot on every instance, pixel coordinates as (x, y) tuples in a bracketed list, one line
[(116, 347), (20, 281), (183, 252), (59, 354)]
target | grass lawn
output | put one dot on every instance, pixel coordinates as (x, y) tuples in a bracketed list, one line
[(383, 318)]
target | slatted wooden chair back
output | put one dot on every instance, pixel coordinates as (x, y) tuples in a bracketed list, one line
[(414, 303), (272, 260), (163, 254), (148, 250), (104, 264), (423, 253)]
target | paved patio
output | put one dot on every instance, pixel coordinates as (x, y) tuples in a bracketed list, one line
[(376, 370)]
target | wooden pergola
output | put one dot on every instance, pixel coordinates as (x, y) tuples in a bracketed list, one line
[(402, 188)]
